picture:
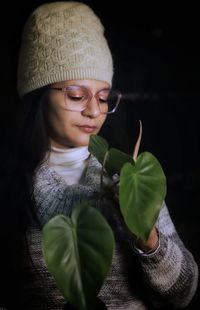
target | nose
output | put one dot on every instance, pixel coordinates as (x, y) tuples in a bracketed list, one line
[(92, 108)]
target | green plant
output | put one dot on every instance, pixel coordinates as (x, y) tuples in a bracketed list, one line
[(142, 185), (78, 250)]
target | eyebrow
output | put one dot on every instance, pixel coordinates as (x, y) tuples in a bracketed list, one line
[(107, 88), (80, 85)]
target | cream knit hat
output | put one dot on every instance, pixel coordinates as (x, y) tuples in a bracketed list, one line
[(62, 41)]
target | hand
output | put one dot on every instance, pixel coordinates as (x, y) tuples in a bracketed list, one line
[(147, 246)]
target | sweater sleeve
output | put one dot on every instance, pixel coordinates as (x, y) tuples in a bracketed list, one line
[(170, 272)]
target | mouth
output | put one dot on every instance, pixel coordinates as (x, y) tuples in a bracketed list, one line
[(87, 129)]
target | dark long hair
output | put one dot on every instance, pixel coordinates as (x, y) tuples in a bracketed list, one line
[(24, 154)]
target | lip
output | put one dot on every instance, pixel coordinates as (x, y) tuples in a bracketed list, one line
[(87, 128)]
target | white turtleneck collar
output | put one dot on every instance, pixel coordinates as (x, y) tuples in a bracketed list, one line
[(69, 163)]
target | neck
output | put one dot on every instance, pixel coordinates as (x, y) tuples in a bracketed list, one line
[(69, 162)]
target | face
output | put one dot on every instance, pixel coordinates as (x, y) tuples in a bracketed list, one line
[(70, 128)]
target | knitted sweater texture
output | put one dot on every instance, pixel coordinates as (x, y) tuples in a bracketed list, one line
[(167, 277)]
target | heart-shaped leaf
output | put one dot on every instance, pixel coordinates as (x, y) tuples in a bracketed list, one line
[(78, 252), (142, 192), (115, 160), (98, 146)]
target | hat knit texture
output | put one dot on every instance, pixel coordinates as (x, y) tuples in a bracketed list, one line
[(62, 41)]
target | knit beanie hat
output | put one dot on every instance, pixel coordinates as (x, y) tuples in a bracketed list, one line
[(62, 41)]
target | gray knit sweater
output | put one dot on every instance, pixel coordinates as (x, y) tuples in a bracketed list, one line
[(167, 277)]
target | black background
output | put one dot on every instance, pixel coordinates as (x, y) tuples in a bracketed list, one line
[(156, 57)]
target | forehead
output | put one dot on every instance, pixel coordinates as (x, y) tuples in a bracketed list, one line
[(93, 85)]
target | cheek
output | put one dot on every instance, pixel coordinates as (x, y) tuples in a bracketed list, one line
[(64, 125), (101, 121), (58, 121)]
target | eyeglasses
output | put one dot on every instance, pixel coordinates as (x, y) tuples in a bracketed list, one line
[(77, 98)]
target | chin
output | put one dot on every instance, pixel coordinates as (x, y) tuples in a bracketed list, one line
[(84, 140), (80, 140)]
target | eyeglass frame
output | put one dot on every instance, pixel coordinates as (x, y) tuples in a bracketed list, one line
[(63, 89)]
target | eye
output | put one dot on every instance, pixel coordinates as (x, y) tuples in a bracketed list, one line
[(102, 100), (75, 98), (75, 95), (103, 97)]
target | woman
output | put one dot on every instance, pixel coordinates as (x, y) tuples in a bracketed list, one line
[(64, 82)]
